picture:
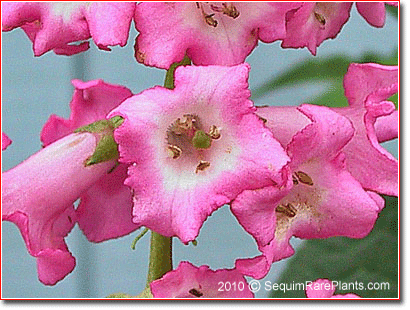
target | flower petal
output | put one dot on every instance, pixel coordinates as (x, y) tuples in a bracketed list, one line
[(373, 12), (188, 281), (5, 141)]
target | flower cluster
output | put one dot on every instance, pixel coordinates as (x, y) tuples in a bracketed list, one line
[(168, 157)]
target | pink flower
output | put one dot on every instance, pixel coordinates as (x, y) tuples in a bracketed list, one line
[(325, 199), (219, 33), (367, 86), (324, 288), (38, 196), (5, 141), (195, 148), (105, 209), (188, 281), (313, 22), (59, 25)]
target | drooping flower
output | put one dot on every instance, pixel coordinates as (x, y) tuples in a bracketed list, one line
[(188, 281), (313, 22), (58, 26), (105, 209), (325, 200), (218, 33), (38, 196), (194, 148), (5, 141), (367, 86), (324, 288)]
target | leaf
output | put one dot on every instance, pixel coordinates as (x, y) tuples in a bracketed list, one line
[(373, 259), (324, 70)]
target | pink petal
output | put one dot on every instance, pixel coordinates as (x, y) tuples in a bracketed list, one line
[(168, 31), (105, 210), (171, 198), (387, 127), (5, 141), (333, 204), (188, 281), (377, 83), (314, 22), (38, 196), (373, 12), (58, 26)]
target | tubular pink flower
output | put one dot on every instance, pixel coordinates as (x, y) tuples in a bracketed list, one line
[(58, 25), (367, 86), (105, 209), (313, 22), (325, 200), (188, 281), (324, 288), (209, 33), (38, 196), (195, 148), (5, 141)]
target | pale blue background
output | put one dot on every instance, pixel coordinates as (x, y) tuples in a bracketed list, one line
[(34, 88)]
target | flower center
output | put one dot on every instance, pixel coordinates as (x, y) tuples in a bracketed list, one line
[(226, 8), (187, 137)]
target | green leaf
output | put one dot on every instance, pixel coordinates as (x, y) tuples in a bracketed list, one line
[(329, 70), (371, 259)]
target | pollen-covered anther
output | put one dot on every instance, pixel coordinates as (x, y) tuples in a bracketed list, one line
[(203, 164), (195, 292), (227, 9), (320, 19), (287, 209), (214, 132), (303, 177), (210, 20), (183, 125), (173, 151)]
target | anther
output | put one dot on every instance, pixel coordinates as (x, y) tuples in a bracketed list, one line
[(173, 151), (195, 292), (203, 164), (214, 132), (210, 20), (320, 18), (287, 209), (304, 178)]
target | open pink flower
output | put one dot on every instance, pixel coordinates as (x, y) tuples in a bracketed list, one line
[(105, 209), (210, 33), (325, 200), (188, 281), (5, 141), (367, 86), (38, 196), (324, 288), (59, 26), (194, 148)]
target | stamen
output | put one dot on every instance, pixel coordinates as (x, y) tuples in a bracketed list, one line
[(203, 164), (173, 151), (295, 180), (210, 20), (230, 10), (320, 18), (304, 178), (195, 292), (214, 132), (288, 209)]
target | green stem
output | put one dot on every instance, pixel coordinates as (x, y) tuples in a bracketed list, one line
[(160, 257)]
